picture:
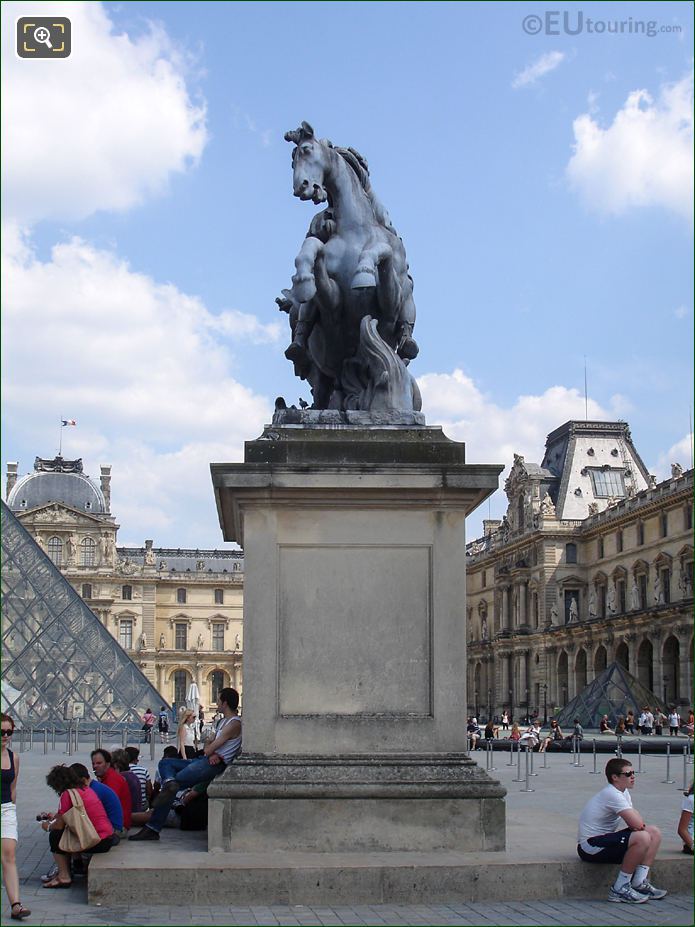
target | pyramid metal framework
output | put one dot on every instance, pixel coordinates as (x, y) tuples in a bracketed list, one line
[(613, 692), (56, 654)]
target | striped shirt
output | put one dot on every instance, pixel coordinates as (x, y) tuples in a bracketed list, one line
[(143, 778)]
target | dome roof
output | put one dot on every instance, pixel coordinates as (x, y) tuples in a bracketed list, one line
[(42, 487)]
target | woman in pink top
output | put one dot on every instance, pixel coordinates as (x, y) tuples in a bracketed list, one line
[(61, 779)]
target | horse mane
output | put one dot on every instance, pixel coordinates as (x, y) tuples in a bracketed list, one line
[(359, 165)]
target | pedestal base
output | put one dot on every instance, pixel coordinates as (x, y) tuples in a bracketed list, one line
[(356, 804)]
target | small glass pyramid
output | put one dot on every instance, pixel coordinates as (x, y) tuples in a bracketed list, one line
[(613, 692)]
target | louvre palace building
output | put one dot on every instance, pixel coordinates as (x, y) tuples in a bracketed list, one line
[(591, 564), (176, 613)]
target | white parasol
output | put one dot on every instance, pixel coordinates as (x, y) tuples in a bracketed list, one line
[(193, 697)]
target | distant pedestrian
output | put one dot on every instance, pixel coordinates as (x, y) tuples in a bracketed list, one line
[(674, 722), (10, 775), (630, 722), (634, 846), (148, 720), (163, 725), (505, 720), (646, 721)]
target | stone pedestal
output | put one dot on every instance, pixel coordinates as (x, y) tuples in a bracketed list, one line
[(354, 644)]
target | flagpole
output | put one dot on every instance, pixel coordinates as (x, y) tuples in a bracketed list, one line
[(586, 395), (60, 443)]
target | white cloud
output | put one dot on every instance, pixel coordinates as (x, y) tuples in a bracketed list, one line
[(85, 337), (539, 68), (680, 312), (644, 158), (681, 452), (492, 433), (102, 129)]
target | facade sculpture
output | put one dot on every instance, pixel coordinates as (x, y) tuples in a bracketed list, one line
[(351, 302)]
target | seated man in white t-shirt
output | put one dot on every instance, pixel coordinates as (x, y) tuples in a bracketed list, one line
[(634, 846)]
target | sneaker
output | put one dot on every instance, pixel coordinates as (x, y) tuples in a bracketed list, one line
[(51, 874), (647, 889), (627, 894)]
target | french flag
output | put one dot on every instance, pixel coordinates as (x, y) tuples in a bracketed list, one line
[(69, 421)]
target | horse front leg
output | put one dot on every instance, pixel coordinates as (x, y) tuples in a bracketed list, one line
[(304, 281), (372, 255)]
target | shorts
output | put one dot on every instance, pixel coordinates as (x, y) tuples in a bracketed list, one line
[(9, 820), (613, 847)]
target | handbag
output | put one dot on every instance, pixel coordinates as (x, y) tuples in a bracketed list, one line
[(79, 834)]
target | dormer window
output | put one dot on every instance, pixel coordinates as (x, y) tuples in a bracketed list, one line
[(607, 482)]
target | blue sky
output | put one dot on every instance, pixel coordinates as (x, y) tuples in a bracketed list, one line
[(542, 184)]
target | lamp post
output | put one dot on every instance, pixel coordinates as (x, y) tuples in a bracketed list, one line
[(475, 703), (511, 702), (489, 704), (666, 682)]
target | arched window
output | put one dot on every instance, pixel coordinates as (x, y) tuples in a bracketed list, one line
[(580, 670), (180, 687), (126, 593), (88, 549), (216, 685), (570, 553), (622, 655), (55, 550)]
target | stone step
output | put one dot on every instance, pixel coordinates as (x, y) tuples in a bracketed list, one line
[(179, 870)]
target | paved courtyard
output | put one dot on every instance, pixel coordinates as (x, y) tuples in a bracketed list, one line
[(539, 822)]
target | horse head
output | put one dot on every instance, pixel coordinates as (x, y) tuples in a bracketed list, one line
[(310, 161)]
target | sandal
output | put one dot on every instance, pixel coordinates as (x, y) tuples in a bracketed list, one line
[(56, 883), (22, 912)]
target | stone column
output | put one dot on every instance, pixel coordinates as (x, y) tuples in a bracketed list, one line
[(684, 693), (552, 677), (505, 608), (522, 602)]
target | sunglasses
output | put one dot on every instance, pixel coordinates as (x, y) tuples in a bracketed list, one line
[(627, 774), (7, 730)]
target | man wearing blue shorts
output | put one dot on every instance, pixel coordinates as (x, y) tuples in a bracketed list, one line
[(634, 846)]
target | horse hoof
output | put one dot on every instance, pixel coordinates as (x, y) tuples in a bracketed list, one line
[(363, 279), (304, 288), (408, 350)]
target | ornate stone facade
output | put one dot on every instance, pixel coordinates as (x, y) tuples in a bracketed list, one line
[(177, 613), (593, 562)]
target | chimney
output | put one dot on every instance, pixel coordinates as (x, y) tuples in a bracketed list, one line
[(490, 525), (11, 477), (106, 486)]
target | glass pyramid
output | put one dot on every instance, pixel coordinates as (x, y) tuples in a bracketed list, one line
[(613, 692), (56, 654)]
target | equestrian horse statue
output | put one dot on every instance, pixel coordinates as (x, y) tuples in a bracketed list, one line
[(351, 303)]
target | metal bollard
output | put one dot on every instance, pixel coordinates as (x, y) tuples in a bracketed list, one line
[(491, 756), (532, 773), (124, 737), (545, 758), (21, 740), (619, 752), (68, 740), (53, 737), (593, 771), (152, 747), (45, 739), (31, 736), (685, 770), (639, 755), (511, 753), (518, 764), (527, 787), (668, 780), (578, 752)]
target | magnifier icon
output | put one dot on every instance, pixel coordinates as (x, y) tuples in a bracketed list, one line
[(43, 36)]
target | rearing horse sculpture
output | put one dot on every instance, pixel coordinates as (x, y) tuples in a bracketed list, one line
[(351, 265)]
